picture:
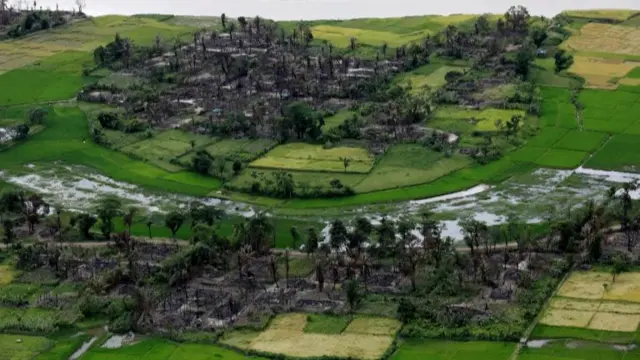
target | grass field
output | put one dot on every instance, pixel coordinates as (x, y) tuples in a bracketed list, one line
[(300, 156), (563, 159), (312, 178), (337, 119), (578, 350), (157, 349), (431, 76), (163, 147), (66, 138), (26, 349), (452, 350), (605, 38), (47, 66), (244, 150), (375, 32), (610, 14), (326, 324), (610, 111), (457, 119), (410, 164)]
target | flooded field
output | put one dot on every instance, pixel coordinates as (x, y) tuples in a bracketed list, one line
[(533, 197)]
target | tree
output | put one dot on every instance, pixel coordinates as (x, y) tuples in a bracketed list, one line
[(237, 167), (202, 162), (538, 36), (81, 4), (231, 29), (524, 57), (517, 19), (295, 237), (149, 225), (563, 60), (620, 264), (204, 214), (312, 241), (128, 218), (354, 294), (338, 234), (108, 208), (223, 20), (345, 162), (384, 49), (8, 229), (84, 223), (353, 43), (174, 221)]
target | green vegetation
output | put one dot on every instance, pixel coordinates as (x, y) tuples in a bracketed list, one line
[(18, 347), (157, 349), (564, 159), (618, 154), (299, 156), (451, 350), (581, 140), (409, 164), (326, 324)]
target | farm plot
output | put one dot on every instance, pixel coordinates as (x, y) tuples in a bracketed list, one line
[(410, 164), (340, 36), (300, 156), (605, 38), (452, 350), (160, 149), (158, 349), (457, 119), (563, 159), (601, 73), (557, 110), (19, 347), (369, 338), (619, 153), (432, 77), (589, 300), (337, 119), (244, 150), (610, 111), (581, 140), (577, 350), (313, 179)]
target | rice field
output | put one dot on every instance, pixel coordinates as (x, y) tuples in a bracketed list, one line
[(458, 119), (300, 156), (20, 347), (592, 300), (165, 146), (452, 350), (158, 349), (369, 338), (410, 164), (563, 349), (600, 72), (619, 153), (562, 159), (244, 150), (605, 38), (581, 140)]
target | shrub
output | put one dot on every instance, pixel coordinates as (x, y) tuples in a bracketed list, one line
[(109, 120), (36, 115)]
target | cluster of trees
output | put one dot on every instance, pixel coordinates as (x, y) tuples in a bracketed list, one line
[(282, 185)]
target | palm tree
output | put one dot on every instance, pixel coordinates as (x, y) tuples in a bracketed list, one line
[(295, 237)]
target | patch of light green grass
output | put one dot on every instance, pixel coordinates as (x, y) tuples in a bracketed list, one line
[(21, 347), (581, 140), (451, 350), (564, 159), (326, 324), (410, 164)]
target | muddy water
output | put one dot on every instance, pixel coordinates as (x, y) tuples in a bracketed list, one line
[(532, 197), (331, 9)]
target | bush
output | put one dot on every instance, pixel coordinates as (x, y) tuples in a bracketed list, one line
[(36, 115), (109, 120), (122, 324), (22, 131)]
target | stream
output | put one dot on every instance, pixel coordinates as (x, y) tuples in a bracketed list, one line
[(534, 197)]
